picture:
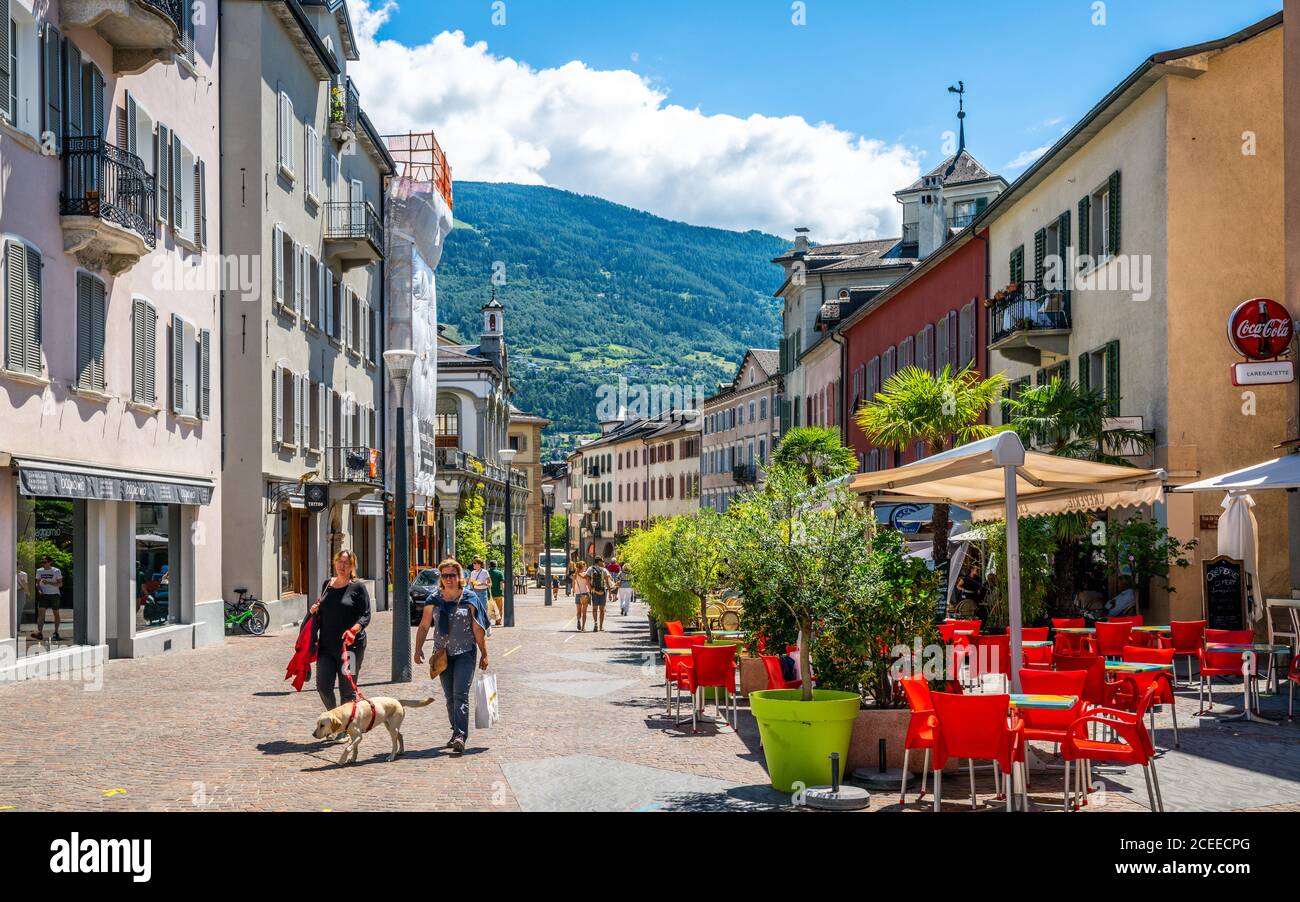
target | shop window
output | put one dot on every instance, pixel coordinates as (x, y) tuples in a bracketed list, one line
[(156, 604), (50, 600)]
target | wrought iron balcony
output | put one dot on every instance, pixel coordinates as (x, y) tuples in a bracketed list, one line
[(354, 465), (1030, 321), (745, 474), (106, 205), (961, 220), (354, 233), (345, 108), (141, 32)]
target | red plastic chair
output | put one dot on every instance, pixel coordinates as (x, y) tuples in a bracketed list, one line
[(975, 726), (1145, 639), (1221, 663), (1038, 658), (1135, 685), (1068, 623), (1134, 747), (1292, 677), (1047, 725), (949, 628), (674, 628), (672, 662), (1034, 633), (1075, 644), (1135, 620), (1095, 687), (775, 677), (1188, 637), (1112, 638), (710, 667), (991, 654), (920, 730)]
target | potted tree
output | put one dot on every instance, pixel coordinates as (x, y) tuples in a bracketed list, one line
[(802, 550), (649, 552)]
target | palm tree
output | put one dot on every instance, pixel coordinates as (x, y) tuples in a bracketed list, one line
[(817, 451), (1068, 420), (941, 411)]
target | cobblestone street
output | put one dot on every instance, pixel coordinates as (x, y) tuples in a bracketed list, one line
[(583, 728)]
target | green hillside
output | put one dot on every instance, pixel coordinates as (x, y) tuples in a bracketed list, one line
[(594, 290)]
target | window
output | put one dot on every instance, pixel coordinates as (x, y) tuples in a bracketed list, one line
[(1016, 265), (334, 312), (90, 333), (20, 73), (144, 352), (887, 368), (762, 408), (191, 350), (312, 166), (963, 212), (966, 336), (1099, 219), (906, 351), (22, 308), (285, 130)]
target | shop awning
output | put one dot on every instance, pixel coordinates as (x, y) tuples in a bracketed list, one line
[(1279, 473), (1045, 483), (53, 479)]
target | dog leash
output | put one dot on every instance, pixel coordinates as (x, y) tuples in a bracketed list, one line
[(356, 690)]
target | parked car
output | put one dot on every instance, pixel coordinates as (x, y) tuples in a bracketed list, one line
[(425, 584)]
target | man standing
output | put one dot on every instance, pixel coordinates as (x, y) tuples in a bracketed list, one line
[(601, 582), (498, 578), (49, 594)]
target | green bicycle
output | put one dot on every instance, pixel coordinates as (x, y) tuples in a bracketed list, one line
[(248, 613)]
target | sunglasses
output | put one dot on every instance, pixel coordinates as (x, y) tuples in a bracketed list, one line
[(449, 575)]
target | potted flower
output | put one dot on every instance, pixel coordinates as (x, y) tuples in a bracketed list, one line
[(798, 554)]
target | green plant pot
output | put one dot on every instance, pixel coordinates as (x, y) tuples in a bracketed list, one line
[(799, 736)]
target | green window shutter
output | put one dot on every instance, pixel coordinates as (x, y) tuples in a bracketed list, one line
[(1040, 253), (205, 374), (32, 311), (72, 93), (1064, 371), (138, 323), (162, 178), (178, 364), (1017, 265), (1084, 373), (1040, 378), (15, 305), (52, 77), (1084, 245), (980, 204), (90, 333), (1112, 377), (1114, 212), (1063, 235)]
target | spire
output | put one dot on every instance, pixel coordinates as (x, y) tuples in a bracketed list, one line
[(960, 91)]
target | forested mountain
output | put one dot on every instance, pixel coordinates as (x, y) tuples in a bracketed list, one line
[(594, 290)]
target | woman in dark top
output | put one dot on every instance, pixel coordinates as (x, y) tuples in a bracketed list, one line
[(342, 609), (460, 628)]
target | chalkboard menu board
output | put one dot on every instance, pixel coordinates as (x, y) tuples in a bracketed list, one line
[(1223, 584)]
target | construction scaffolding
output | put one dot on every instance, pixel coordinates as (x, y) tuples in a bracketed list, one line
[(419, 158)]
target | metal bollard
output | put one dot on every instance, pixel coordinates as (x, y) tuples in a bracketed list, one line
[(835, 771)]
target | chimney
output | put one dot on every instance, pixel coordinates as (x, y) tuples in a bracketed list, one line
[(801, 240), (932, 228)]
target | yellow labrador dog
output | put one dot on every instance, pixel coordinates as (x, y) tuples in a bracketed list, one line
[(368, 713)]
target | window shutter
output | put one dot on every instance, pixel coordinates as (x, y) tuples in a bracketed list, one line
[(1112, 377), (322, 415), (1063, 247), (297, 277), (1040, 377), (1040, 254), (94, 101), (941, 345), (1084, 374), (162, 183), (52, 76), (953, 330), (277, 405), (205, 374), (32, 309), (5, 50), (299, 404), (138, 322), (347, 316), (72, 101), (1114, 213), (277, 264), (90, 333), (178, 364), (1085, 213), (327, 415), (187, 29), (16, 317), (365, 329), (327, 299), (1064, 372), (279, 128), (178, 198), (200, 204)]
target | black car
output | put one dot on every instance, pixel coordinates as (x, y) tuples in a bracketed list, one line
[(425, 585)]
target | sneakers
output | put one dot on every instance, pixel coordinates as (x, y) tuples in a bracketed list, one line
[(450, 742), (457, 747)]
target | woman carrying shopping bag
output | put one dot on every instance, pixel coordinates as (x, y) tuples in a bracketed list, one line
[(460, 623)]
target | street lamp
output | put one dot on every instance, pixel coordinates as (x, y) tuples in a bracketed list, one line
[(399, 364), (508, 455), (548, 507), (568, 585)]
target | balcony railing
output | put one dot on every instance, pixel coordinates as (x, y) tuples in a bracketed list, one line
[(169, 8), (1030, 307), (745, 474), (108, 183), (353, 220), (351, 464), (345, 106), (961, 220)]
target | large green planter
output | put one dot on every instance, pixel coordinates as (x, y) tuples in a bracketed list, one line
[(799, 736)]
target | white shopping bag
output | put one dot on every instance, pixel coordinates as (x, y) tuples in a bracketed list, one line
[(486, 710)]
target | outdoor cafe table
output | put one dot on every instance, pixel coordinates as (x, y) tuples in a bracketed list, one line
[(1135, 667), (1036, 643), (1027, 702), (1079, 630), (1251, 706), (1150, 629)]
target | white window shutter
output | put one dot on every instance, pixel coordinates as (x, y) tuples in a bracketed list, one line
[(178, 364), (347, 316), (297, 277), (277, 407), (205, 374), (321, 415), (299, 424), (277, 263)]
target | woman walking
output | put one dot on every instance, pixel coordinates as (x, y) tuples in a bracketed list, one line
[(343, 609), (581, 593), (460, 621)]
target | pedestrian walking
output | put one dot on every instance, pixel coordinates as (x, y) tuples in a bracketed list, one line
[(498, 578), (459, 620), (343, 609), (581, 593), (480, 581), (626, 594), (601, 583)]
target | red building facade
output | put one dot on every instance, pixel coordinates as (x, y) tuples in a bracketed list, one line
[(931, 318)]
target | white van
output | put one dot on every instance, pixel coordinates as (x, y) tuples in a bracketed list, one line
[(559, 561)]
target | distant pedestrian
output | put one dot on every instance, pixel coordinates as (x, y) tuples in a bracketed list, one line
[(581, 593), (601, 584), (479, 582), (626, 594), (498, 606), (49, 595), (342, 610), (460, 622)]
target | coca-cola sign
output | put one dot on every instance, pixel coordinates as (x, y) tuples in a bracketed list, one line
[(1260, 329)]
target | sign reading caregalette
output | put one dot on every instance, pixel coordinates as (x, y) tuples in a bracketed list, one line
[(1260, 329)]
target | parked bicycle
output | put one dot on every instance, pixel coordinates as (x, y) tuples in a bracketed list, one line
[(248, 613)]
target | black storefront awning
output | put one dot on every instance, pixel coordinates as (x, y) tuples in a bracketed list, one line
[(60, 480)]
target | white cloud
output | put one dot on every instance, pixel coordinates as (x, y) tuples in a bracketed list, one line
[(1025, 157), (614, 134)]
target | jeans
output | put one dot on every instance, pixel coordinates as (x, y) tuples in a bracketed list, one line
[(329, 671), (457, 681)]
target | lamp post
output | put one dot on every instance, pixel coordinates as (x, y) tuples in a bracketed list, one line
[(548, 507), (508, 456), (399, 364), (568, 585)]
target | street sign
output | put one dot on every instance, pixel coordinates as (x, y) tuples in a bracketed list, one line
[(1260, 329), (1272, 372), (316, 496)]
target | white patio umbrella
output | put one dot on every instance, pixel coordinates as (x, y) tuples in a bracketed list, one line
[(1239, 538), (997, 478)]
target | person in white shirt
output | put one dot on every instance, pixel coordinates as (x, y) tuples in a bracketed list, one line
[(480, 581), (49, 594)]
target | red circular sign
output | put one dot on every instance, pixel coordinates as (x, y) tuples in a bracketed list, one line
[(1260, 329)]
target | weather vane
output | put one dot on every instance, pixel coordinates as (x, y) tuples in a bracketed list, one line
[(960, 91)]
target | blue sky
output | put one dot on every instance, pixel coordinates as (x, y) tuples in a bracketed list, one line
[(868, 68)]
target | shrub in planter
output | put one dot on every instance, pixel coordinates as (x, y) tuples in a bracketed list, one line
[(1037, 574), (649, 552)]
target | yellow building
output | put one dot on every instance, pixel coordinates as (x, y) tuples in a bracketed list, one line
[(525, 436)]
